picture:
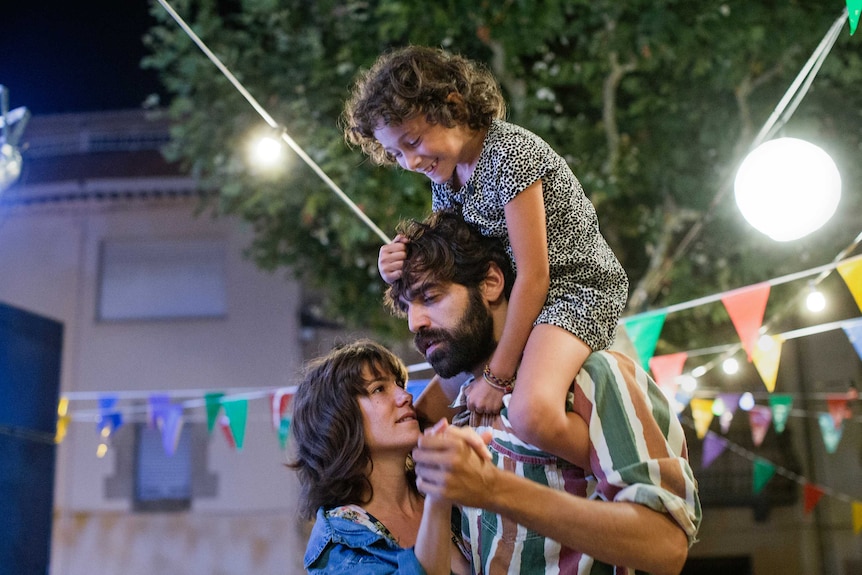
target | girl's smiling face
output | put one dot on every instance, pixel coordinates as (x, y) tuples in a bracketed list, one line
[(430, 149)]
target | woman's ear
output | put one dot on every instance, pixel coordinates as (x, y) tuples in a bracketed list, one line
[(494, 285)]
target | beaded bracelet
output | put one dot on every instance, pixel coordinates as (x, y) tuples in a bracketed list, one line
[(505, 385)]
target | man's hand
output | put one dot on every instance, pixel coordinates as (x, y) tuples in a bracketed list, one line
[(453, 463), (390, 261)]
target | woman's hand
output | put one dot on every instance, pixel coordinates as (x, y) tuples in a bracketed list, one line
[(390, 261)]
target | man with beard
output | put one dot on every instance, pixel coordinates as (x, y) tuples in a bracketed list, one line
[(630, 501)]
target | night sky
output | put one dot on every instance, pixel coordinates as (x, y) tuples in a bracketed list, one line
[(74, 56)]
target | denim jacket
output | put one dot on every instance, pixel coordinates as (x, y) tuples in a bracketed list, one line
[(347, 543)]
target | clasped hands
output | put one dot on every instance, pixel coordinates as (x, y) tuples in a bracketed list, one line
[(454, 463)]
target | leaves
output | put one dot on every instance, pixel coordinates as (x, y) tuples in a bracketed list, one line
[(652, 103)]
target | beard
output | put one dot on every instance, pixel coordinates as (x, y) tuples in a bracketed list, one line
[(462, 348)]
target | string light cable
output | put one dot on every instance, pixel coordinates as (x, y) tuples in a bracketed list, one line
[(272, 123)]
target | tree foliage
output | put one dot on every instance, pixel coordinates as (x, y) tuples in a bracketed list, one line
[(652, 102)]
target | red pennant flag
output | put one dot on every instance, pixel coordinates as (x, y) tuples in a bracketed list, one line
[(745, 307), (665, 369), (812, 495), (224, 425), (838, 409), (280, 402)]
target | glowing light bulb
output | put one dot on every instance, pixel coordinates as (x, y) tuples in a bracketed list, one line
[(815, 301), (746, 401), (267, 152), (730, 366), (699, 371), (687, 383), (787, 188)]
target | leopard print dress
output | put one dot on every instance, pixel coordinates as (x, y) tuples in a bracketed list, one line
[(589, 286)]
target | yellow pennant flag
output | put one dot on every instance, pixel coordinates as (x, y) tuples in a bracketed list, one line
[(766, 356), (62, 420), (857, 517), (701, 410), (851, 272)]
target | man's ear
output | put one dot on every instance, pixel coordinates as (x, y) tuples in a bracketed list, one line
[(494, 284)]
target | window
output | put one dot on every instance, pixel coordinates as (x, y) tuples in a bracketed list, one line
[(162, 482), (164, 279)]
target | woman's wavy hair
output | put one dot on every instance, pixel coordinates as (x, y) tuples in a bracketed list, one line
[(444, 249), (419, 80), (332, 458)]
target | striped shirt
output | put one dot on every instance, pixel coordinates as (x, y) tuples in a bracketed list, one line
[(638, 454)]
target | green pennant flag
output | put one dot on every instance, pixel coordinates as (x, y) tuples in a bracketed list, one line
[(763, 472), (236, 411), (854, 7), (283, 432), (213, 403), (644, 332), (780, 404)]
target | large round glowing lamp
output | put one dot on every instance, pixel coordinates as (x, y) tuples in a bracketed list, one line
[(787, 188)]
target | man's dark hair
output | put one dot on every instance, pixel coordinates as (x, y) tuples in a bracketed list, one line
[(445, 249)]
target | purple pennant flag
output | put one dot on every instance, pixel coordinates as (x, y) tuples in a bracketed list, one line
[(853, 331), (171, 426), (730, 402), (713, 446), (157, 409)]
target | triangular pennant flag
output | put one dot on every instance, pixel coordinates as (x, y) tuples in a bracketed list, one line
[(831, 435), (759, 417), (224, 425), (62, 420), (283, 432), (853, 331), (812, 495), (854, 8), (701, 411), (213, 403), (857, 517), (713, 446), (766, 356), (665, 370), (644, 332), (280, 402), (762, 473), (851, 272), (780, 404), (837, 405), (236, 411), (730, 401), (745, 307), (157, 408), (110, 419), (171, 425)]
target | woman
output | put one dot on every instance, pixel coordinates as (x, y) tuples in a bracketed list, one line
[(354, 428)]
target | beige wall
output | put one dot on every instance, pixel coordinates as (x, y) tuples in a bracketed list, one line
[(49, 262)]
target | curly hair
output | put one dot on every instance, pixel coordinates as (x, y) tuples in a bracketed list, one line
[(332, 458), (445, 249), (419, 80)]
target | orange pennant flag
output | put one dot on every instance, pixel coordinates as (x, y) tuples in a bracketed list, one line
[(766, 356), (851, 272), (745, 307), (857, 517), (812, 495), (701, 411), (665, 369)]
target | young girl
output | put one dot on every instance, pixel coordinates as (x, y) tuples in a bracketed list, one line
[(441, 115)]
